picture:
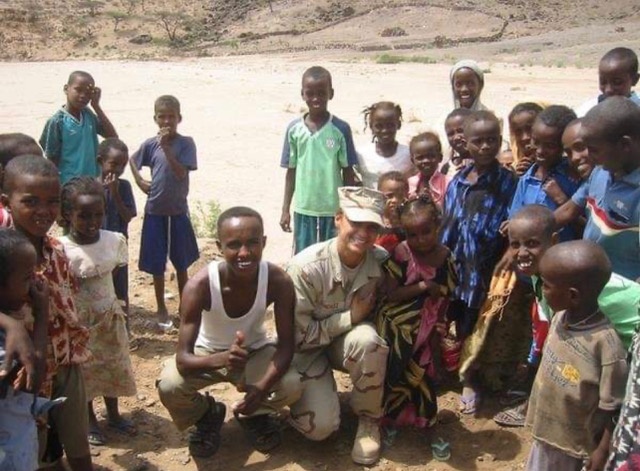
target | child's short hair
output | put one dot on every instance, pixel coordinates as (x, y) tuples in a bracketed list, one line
[(539, 214), (615, 117), (317, 73), (10, 240), (585, 265), (112, 143), (623, 55), (14, 144), (463, 112), (78, 73), (421, 204), (556, 116), (238, 212), (393, 176), (478, 116), (167, 101), (381, 105), (32, 165), (426, 136), (78, 186), (525, 107)]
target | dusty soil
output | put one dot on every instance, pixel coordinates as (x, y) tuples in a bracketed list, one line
[(237, 109)]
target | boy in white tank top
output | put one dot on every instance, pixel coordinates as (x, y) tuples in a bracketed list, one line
[(223, 339)]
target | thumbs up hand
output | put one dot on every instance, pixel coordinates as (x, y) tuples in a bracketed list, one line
[(237, 354)]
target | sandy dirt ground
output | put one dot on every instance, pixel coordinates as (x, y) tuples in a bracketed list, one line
[(237, 110)]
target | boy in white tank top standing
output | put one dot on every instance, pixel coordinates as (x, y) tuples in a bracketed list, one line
[(223, 339)]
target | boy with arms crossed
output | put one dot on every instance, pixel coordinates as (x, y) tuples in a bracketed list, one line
[(223, 339), (319, 156), (166, 229)]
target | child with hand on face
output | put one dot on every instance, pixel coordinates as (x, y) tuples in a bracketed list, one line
[(384, 154), (166, 229), (93, 255), (549, 181), (580, 384), (617, 75), (426, 155), (393, 185), (521, 120), (421, 278), (458, 155), (70, 137), (120, 205)]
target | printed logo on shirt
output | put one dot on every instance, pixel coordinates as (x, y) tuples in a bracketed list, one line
[(571, 374), (331, 143), (619, 205)]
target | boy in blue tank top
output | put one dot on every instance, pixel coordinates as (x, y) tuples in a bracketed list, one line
[(223, 339)]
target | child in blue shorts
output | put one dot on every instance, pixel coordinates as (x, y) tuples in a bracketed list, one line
[(70, 137), (319, 156), (166, 229), (120, 207)]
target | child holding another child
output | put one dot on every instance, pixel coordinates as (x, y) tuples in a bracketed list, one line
[(384, 154), (93, 255)]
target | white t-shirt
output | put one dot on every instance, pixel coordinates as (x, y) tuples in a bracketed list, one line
[(371, 165)]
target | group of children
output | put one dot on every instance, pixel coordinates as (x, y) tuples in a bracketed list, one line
[(78, 347), (487, 273)]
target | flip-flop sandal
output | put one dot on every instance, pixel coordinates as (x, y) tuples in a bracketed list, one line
[(513, 417), (262, 431), (441, 450), (469, 404), (96, 437), (513, 398), (124, 426)]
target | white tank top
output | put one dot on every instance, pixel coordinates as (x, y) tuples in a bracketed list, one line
[(218, 330)]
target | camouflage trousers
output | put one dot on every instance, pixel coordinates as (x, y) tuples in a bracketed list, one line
[(359, 352)]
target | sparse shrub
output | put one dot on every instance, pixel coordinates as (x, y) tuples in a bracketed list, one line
[(117, 17), (204, 218), (396, 31)]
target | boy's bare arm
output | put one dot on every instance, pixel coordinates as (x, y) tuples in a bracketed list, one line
[(567, 213), (179, 170), (39, 294), (144, 185), (348, 176), (107, 128), (289, 189), (196, 297), (18, 346), (598, 459), (282, 293)]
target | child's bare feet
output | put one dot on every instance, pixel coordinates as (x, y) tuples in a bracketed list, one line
[(162, 314)]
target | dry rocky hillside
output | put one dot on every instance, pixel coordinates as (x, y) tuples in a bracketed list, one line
[(545, 32)]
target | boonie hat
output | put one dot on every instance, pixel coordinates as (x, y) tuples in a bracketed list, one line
[(361, 204)]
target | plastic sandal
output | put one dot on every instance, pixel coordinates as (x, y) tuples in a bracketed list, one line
[(441, 449)]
